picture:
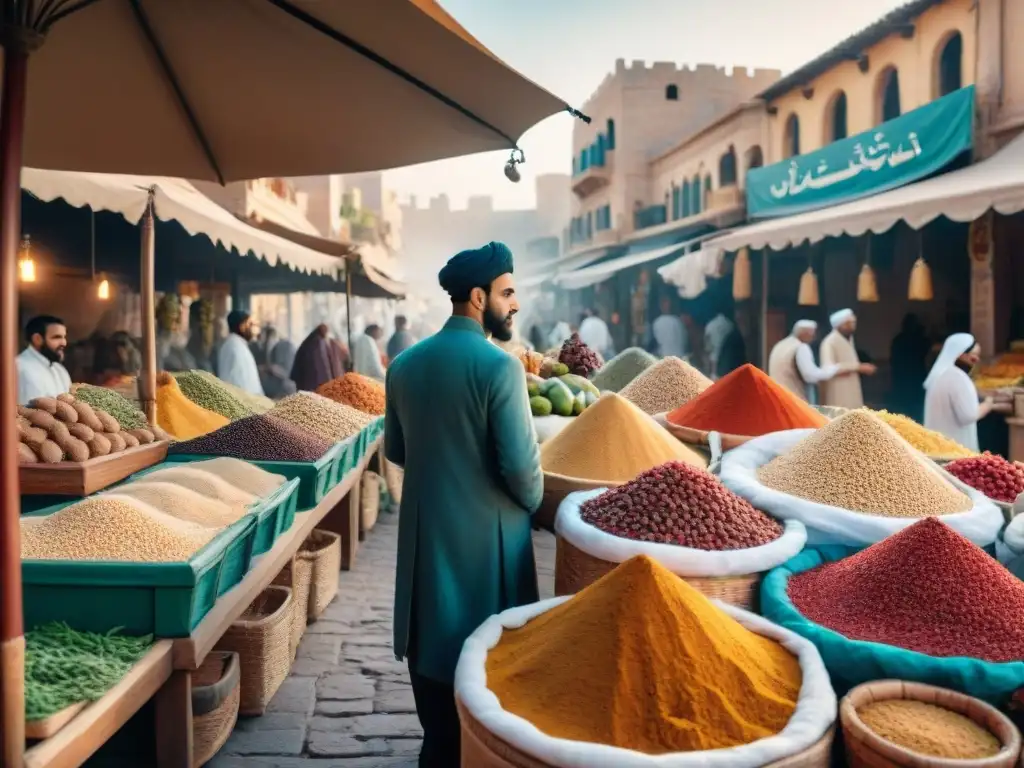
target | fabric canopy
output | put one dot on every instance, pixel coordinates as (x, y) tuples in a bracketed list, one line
[(598, 273), (174, 200), (962, 195)]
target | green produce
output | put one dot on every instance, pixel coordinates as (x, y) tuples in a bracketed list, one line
[(591, 398), (560, 396), (211, 394), (540, 406), (577, 384), (65, 667), (533, 384), (552, 369), (579, 403)]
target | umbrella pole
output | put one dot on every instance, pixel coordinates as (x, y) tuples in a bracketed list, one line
[(12, 637), (147, 287), (348, 315)]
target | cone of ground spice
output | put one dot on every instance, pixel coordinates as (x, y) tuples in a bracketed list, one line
[(360, 392), (666, 385), (622, 369), (181, 417)]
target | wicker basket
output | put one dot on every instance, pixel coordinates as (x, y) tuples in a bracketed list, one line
[(261, 640), (865, 748), (322, 550), (482, 749), (576, 569), (393, 476), (556, 488), (297, 576), (215, 700), (369, 499)]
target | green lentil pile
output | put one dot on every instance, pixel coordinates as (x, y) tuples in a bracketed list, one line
[(622, 369), (114, 403), (64, 666), (255, 403), (211, 394), (321, 416)]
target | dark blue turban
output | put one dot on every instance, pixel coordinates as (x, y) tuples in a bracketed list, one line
[(475, 268)]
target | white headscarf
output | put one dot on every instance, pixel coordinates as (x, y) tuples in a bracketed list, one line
[(955, 345), (840, 317), (804, 325)]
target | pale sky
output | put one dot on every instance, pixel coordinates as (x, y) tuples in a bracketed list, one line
[(568, 46)]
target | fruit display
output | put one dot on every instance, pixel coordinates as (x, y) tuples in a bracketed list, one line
[(532, 361), (578, 357), (565, 395)]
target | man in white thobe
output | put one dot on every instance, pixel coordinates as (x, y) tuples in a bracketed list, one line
[(791, 363), (716, 332), (595, 334), (838, 349), (366, 353), (40, 369), (235, 362), (951, 400), (669, 332)]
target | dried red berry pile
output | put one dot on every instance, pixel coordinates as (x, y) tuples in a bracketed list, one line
[(580, 358), (993, 475), (682, 505), (927, 589)]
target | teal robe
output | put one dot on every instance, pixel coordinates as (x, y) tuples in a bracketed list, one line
[(458, 420)]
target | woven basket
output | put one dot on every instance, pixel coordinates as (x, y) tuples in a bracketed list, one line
[(297, 576), (556, 488), (261, 640), (369, 499), (215, 700), (866, 749), (482, 749), (393, 476), (576, 569), (323, 552)]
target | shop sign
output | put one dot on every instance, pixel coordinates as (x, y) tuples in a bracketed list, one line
[(895, 153)]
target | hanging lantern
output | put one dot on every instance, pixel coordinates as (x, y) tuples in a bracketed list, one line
[(103, 289), (920, 288), (867, 287), (741, 282), (26, 265), (808, 296)]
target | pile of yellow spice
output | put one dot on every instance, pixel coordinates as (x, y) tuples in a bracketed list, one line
[(932, 444), (929, 729)]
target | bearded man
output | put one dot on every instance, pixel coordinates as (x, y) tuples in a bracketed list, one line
[(458, 420)]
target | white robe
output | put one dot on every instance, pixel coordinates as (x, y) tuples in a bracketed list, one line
[(595, 334), (951, 407), (236, 365), (38, 377), (366, 357), (842, 391), (670, 335)]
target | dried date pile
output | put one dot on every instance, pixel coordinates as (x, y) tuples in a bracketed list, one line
[(993, 475), (682, 505)]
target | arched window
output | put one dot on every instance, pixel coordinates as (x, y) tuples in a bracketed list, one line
[(949, 74), (675, 202), (707, 191), (791, 137), (611, 134), (727, 168), (755, 157), (686, 198), (672, 93), (835, 120), (695, 205), (888, 95)]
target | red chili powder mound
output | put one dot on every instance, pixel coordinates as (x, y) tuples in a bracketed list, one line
[(746, 402), (926, 589)]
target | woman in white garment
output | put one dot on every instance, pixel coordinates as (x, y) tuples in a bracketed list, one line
[(951, 401)]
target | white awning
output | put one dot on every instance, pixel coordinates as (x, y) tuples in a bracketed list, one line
[(962, 195), (174, 200)]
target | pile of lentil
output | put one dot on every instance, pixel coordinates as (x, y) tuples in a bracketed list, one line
[(200, 480), (928, 729), (254, 403), (929, 442), (242, 474), (858, 463), (612, 441), (665, 386), (321, 417), (927, 589), (179, 416), (211, 394), (184, 503), (114, 403), (257, 438), (993, 475), (112, 527), (614, 375), (682, 505), (684, 676), (360, 392)]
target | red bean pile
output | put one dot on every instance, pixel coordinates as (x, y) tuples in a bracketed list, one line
[(927, 589), (257, 438), (682, 505), (993, 475)]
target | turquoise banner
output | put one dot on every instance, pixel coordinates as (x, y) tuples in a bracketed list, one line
[(895, 153)]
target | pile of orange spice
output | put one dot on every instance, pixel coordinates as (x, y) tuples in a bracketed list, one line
[(359, 392)]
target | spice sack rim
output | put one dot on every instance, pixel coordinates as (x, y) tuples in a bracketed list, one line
[(836, 525), (815, 713), (683, 561), (991, 681)]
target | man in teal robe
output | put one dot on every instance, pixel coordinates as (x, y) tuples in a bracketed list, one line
[(458, 420)]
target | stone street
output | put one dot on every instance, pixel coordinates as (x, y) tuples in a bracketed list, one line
[(347, 702)]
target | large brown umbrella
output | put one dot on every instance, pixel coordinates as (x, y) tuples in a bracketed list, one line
[(222, 90)]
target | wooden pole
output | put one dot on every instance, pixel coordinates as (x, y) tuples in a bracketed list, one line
[(12, 630), (764, 309), (348, 314), (147, 287)]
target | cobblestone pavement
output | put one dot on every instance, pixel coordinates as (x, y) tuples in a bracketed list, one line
[(347, 702)]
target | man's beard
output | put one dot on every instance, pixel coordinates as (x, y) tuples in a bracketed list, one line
[(53, 355), (499, 327)]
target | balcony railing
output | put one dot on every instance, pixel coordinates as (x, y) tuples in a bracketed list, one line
[(651, 216)]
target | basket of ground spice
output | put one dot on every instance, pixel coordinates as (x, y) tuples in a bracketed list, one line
[(618, 372), (932, 444), (695, 682), (853, 482), (665, 386), (685, 519), (744, 404), (360, 392), (913, 725), (608, 444), (924, 605)]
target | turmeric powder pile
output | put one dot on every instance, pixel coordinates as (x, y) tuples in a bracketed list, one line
[(643, 661), (179, 416)]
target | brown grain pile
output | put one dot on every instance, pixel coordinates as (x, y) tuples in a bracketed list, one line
[(112, 527), (361, 392), (858, 462), (185, 504), (242, 474), (929, 730), (201, 482), (665, 386), (320, 416)]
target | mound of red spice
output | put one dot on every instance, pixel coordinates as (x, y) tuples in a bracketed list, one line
[(993, 475), (927, 589), (682, 505), (746, 402)]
